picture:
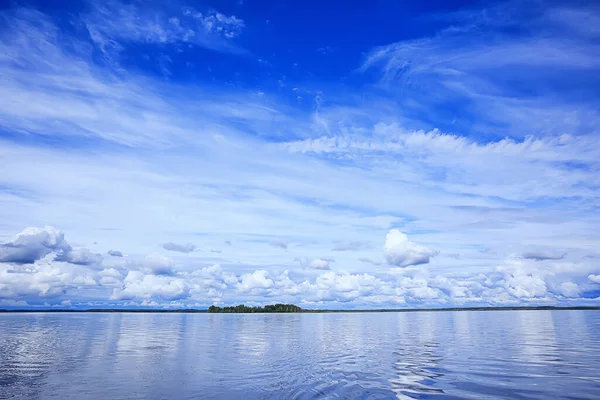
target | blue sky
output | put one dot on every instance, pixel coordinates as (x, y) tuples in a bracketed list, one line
[(365, 155)]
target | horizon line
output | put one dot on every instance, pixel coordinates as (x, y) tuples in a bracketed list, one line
[(308, 311)]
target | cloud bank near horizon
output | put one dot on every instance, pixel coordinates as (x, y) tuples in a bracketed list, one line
[(52, 279)]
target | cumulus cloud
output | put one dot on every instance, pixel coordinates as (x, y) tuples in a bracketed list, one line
[(139, 285), (255, 282), (79, 256), (115, 253), (43, 279), (569, 289), (13, 303), (65, 273), (32, 244), (541, 255), (214, 277), (280, 242), (320, 263), (211, 282), (182, 248), (344, 286), (423, 292), (110, 277), (158, 264), (521, 284), (402, 252)]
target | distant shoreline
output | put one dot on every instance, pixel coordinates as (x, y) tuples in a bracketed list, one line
[(304, 311)]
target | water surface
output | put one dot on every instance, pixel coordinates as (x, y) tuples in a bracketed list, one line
[(430, 355)]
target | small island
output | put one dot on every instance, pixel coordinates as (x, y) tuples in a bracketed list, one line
[(273, 308)]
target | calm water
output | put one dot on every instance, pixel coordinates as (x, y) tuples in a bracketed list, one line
[(478, 355)]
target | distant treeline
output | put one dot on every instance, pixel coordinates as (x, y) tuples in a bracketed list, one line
[(274, 308), (289, 308)]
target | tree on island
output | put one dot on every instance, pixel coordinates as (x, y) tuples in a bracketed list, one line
[(272, 308)]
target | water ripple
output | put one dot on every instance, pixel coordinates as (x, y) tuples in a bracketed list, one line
[(462, 355)]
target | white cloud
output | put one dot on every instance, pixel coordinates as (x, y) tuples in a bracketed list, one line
[(473, 61), (344, 287), (110, 278), (280, 242), (32, 244), (80, 256), (158, 264), (569, 289), (211, 281), (523, 285), (535, 167), (349, 246), (138, 285), (255, 282), (320, 263), (541, 255), (368, 260), (13, 303), (157, 280), (182, 248), (215, 22), (42, 279), (401, 252), (111, 23)]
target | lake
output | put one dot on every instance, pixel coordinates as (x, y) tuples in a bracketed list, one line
[(429, 355)]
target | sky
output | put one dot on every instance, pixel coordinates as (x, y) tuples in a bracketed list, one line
[(362, 155)]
